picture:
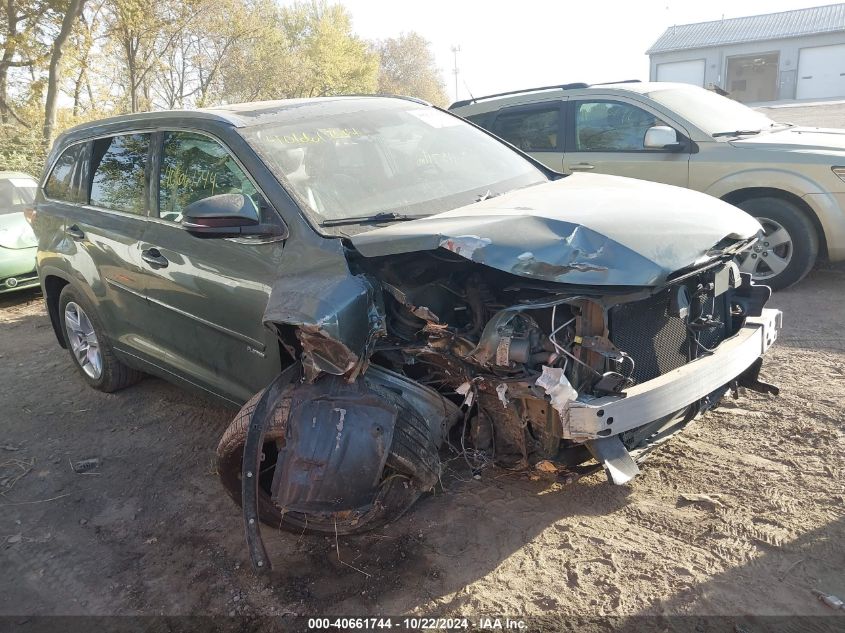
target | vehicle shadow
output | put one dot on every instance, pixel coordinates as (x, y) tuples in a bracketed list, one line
[(20, 297), (449, 540)]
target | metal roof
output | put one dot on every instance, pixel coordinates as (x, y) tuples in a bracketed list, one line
[(771, 26)]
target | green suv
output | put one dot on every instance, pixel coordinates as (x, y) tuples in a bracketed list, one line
[(792, 179), (375, 278)]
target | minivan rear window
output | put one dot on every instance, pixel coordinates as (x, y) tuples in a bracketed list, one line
[(119, 166), (63, 183)]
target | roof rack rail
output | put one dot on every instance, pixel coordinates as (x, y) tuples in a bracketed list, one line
[(458, 104), (624, 81)]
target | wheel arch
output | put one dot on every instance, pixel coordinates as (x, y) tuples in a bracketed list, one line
[(741, 195), (53, 285)]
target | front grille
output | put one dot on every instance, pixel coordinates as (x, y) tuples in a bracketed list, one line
[(655, 340)]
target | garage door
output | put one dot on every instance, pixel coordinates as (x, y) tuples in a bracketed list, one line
[(691, 72), (821, 72)]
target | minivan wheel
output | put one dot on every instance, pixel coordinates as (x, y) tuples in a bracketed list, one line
[(789, 247), (90, 350)]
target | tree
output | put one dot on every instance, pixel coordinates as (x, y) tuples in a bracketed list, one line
[(20, 45), (145, 34), (190, 73), (71, 14), (407, 67), (307, 49), (330, 58), (114, 56)]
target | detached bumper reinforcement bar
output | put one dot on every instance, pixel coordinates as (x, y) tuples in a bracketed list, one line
[(671, 392)]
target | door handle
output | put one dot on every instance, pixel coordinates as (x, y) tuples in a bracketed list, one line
[(581, 167), (75, 233), (154, 258)]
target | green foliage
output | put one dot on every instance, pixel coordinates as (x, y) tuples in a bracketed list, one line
[(21, 149), (407, 67), (129, 55), (329, 58)]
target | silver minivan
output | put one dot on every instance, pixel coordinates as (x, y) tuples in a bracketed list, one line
[(792, 179)]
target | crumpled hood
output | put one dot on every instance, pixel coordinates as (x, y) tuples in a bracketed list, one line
[(15, 232), (796, 138), (586, 229)]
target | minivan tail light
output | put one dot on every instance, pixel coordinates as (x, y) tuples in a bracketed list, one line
[(29, 215), (839, 171)]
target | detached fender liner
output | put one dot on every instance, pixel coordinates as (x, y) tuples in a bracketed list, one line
[(332, 456)]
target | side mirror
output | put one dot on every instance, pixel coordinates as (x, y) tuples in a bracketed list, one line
[(662, 137), (227, 215)]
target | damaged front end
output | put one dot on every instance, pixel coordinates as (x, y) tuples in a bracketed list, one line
[(476, 342)]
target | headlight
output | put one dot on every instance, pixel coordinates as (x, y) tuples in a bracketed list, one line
[(839, 171)]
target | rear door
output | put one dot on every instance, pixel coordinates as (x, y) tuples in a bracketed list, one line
[(536, 129), (606, 136), (208, 295), (103, 226)]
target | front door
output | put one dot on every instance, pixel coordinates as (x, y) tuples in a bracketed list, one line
[(208, 295), (607, 137)]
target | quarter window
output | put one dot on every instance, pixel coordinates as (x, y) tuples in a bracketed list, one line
[(534, 130), (63, 183), (119, 166), (611, 126), (193, 167), (15, 194)]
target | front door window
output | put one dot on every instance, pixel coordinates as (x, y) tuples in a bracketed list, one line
[(193, 167), (611, 126)]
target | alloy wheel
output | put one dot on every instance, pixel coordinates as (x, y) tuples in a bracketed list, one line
[(771, 254), (83, 341)]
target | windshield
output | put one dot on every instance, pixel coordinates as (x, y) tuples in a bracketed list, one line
[(16, 194), (711, 112), (387, 157)]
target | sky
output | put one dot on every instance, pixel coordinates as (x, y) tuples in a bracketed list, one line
[(525, 43)]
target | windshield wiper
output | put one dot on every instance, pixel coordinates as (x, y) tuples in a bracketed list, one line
[(737, 133), (384, 216)]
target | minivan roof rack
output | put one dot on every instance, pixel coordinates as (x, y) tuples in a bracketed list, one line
[(571, 86), (458, 104), (624, 81)]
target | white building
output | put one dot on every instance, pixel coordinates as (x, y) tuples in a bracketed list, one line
[(789, 55)]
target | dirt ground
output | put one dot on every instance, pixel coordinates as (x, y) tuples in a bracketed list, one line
[(150, 531)]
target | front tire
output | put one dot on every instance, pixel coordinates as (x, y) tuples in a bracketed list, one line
[(413, 467), (789, 248), (89, 346)]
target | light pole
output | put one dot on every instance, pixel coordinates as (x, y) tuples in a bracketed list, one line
[(455, 50)]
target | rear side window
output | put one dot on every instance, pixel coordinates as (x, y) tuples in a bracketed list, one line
[(193, 167), (531, 130), (118, 164), (63, 183), (480, 120)]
